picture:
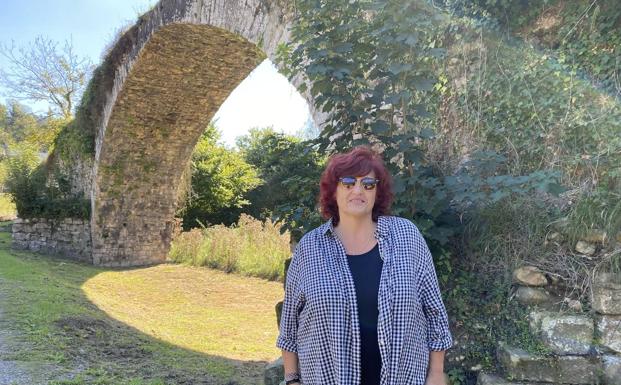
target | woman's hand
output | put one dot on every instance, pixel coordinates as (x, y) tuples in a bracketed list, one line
[(435, 378)]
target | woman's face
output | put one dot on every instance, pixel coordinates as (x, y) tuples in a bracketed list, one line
[(356, 201)]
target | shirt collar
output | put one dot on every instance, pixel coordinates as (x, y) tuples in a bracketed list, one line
[(380, 232)]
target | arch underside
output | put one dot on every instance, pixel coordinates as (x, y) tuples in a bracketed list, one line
[(176, 84)]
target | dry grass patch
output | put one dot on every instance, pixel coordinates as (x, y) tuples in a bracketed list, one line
[(195, 308)]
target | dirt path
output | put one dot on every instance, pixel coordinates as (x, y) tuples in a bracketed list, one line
[(15, 372)]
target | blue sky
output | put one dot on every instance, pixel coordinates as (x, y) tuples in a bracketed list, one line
[(265, 98)]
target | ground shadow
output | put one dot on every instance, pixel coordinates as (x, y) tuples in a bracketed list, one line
[(95, 348)]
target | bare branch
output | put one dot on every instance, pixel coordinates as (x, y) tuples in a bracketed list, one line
[(42, 71)]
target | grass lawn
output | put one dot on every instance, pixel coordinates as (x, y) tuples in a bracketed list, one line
[(166, 324)]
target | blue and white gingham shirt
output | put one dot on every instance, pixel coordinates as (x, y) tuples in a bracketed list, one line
[(320, 317)]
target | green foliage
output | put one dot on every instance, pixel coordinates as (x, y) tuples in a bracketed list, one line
[(38, 190), (7, 207), (582, 34), (501, 236), (485, 315), (76, 140), (532, 108), (476, 143), (251, 248), (374, 67), (36, 196), (220, 179), (73, 142), (290, 170), (20, 129), (598, 210)]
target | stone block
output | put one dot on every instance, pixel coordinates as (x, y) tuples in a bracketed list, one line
[(585, 248), (491, 379), (21, 236), (609, 331), (567, 334), (520, 365), (530, 296), (42, 226), (555, 237), (611, 369), (494, 379), (274, 372), (606, 293), (529, 276), (535, 317), (578, 370)]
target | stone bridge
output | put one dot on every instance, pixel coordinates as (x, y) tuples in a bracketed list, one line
[(171, 71)]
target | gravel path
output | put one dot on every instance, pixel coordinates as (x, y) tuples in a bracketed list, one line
[(11, 372), (19, 372)]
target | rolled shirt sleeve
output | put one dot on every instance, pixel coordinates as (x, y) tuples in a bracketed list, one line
[(438, 333), (292, 305)]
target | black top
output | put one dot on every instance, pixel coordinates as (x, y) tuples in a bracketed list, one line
[(366, 270)]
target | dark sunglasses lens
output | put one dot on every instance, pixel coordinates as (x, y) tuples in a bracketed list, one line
[(348, 181), (369, 183)]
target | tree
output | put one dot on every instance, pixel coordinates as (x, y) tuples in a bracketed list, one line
[(20, 128), (219, 180), (43, 71), (290, 169)]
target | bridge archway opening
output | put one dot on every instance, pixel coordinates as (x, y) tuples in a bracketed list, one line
[(178, 65)]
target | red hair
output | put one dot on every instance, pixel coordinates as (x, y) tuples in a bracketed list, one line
[(359, 161)]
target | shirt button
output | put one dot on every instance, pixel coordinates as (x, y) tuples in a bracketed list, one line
[(381, 342)]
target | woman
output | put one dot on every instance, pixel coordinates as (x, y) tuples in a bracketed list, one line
[(362, 304)]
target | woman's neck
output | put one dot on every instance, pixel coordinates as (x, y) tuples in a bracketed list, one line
[(355, 228), (356, 234)]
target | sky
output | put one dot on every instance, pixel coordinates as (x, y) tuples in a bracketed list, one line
[(264, 98)]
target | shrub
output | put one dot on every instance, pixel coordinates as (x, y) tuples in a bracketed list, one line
[(37, 194)]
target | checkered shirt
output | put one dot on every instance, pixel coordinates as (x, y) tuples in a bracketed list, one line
[(320, 317)]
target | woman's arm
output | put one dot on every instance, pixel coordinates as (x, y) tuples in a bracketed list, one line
[(438, 334), (290, 362), (439, 337), (292, 305), (435, 374)]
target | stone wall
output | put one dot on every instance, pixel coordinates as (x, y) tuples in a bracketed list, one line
[(67, 237), (584, 347)]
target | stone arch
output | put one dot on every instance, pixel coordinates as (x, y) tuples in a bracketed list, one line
[(174, 69)]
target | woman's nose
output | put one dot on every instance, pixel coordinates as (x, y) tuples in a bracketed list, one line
[(358, 186)]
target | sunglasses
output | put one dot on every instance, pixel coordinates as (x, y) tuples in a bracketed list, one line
[(367, 183)]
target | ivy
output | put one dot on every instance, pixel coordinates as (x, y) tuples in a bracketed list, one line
[(374, 67)]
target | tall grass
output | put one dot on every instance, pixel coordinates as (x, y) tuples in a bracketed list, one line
[(7, 207), (251, 248)]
